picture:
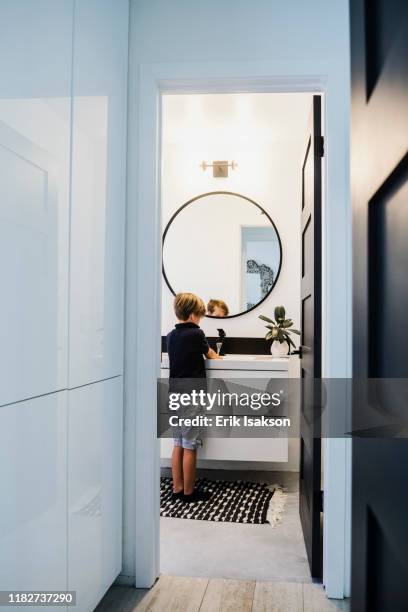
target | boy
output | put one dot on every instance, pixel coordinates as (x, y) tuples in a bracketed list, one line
[(217, 308), (186, 345)]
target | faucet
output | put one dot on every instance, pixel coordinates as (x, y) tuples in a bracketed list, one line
[(219, 343)]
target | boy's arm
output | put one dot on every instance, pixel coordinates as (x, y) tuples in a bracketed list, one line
[(205, 348), (212, 354)]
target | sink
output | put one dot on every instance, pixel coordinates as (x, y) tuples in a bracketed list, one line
[(251, 357), (239, 357), (247, 357), (240, 363)]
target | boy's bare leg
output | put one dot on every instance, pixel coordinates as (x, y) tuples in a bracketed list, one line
[(189, 470), (177, 469)]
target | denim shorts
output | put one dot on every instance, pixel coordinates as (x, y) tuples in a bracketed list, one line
[(186, 437)]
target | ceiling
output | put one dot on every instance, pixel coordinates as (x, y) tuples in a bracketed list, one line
[(244, 118)]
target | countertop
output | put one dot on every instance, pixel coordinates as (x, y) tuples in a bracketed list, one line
[(243, 362)]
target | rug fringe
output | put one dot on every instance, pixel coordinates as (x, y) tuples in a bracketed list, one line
[(276, 505)]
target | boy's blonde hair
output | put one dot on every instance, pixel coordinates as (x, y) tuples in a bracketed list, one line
[(212, 304), (186, 304)]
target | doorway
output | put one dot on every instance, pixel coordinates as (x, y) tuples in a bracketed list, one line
[(233, 231), (144, 259)]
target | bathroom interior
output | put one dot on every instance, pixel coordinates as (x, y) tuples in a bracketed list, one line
[(231, 197)]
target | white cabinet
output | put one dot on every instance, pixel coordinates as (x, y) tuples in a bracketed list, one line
[(237, 449), (257, 372), (34, 196), (62, 451), (61, 307), (33, 483), (94, 489), (68, 441), (98, 190)]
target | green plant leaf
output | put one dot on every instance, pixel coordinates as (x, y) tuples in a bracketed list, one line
[(290, 341), (280, 313), (287, 323), (267, 319), (282, 328)]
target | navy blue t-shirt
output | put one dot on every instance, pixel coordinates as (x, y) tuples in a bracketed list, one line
[(186, 345)]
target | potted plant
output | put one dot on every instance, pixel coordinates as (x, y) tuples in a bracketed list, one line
[(279, 332)]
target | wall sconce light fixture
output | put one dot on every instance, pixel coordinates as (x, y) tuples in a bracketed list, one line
[(220, 168)]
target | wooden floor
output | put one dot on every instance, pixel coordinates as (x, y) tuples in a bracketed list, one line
[(185, 594)]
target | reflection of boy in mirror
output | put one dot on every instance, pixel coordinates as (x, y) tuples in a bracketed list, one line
[(186, 347), (217, 308)]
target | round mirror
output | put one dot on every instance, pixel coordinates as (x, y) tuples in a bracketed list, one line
[(225, 248)]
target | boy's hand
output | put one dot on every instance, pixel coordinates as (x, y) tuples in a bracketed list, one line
[(212, 354)]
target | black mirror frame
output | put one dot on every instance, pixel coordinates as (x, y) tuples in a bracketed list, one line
[(203, 195)]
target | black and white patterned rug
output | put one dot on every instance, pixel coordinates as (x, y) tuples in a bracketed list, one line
[(231, 502)]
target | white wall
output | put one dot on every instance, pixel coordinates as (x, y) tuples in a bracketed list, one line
[(265, 134), (237, 30), (62, 200), (229, 46)]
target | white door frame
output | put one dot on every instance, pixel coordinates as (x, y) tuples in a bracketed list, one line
[(147, 83)]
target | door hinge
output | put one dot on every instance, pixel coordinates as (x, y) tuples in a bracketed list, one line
[(321, 146), (321, 501)]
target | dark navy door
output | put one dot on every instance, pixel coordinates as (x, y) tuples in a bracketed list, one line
[(379, 185), (311, 340)]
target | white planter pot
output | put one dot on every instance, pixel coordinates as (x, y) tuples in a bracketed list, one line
[(279, 349)]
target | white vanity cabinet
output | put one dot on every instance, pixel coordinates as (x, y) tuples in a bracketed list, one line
[(233, 448)]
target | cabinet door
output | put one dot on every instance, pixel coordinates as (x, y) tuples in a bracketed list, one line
[(98, 190), (230, 446), (94, 489), (28, 269), (34, 195), (33, 484)]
